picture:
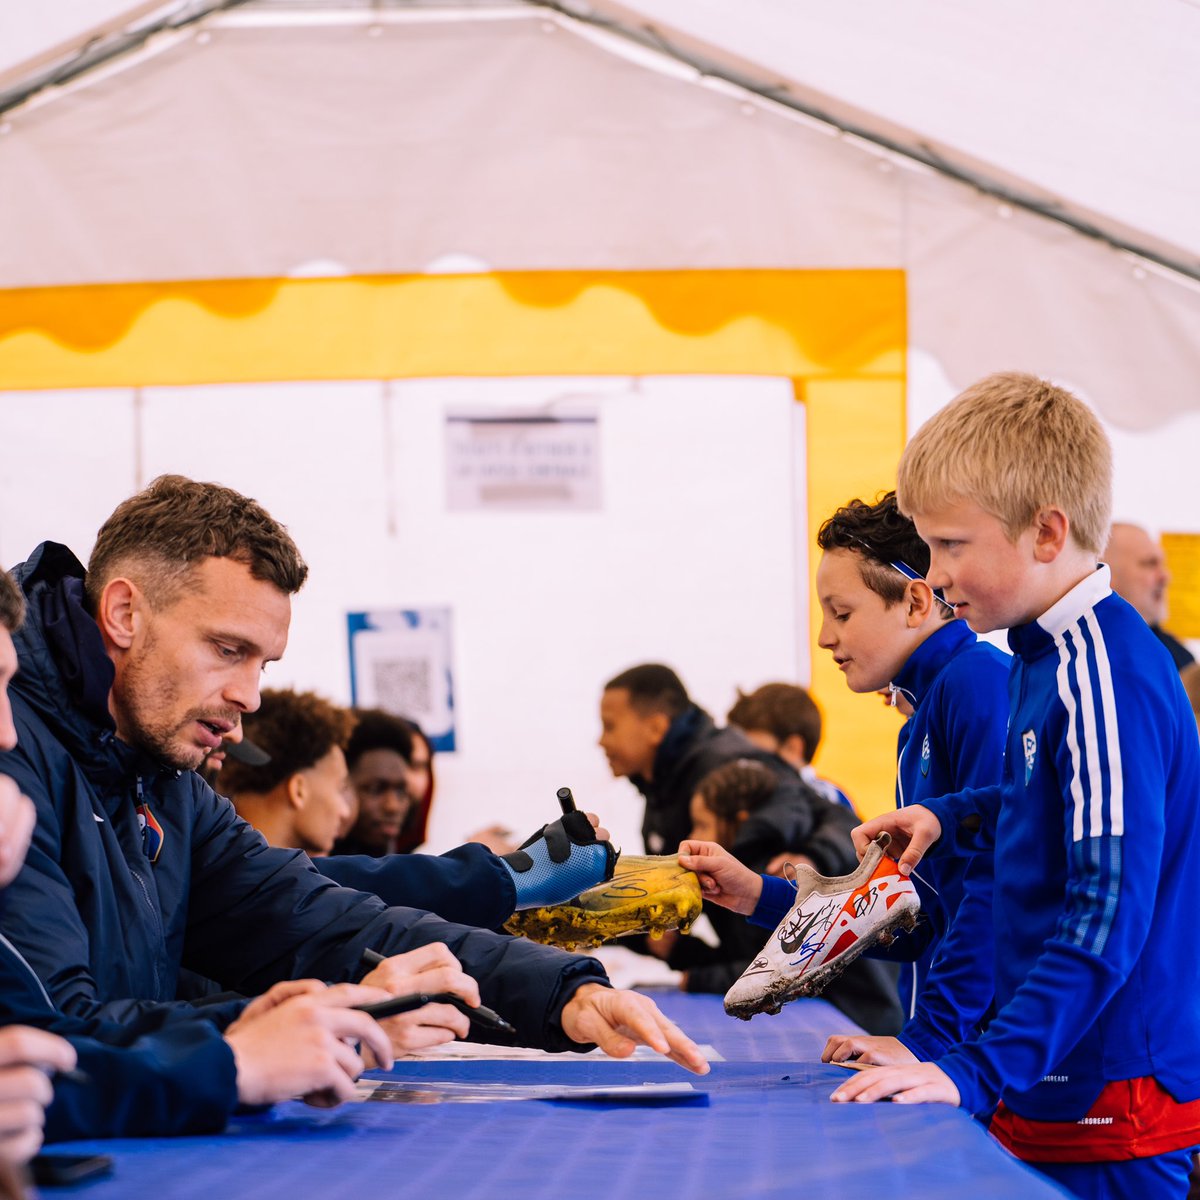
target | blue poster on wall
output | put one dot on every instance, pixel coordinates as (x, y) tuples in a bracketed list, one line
[(400, 661)]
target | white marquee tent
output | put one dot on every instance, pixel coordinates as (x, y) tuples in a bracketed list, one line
[(1006, 188)]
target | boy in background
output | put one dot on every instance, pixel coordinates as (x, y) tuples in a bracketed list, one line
[(1094, 1050), (784, 719)]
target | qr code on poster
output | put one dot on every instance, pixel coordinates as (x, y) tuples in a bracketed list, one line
[(404, 685)]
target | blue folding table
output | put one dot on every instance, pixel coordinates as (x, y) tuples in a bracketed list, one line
[(764, 1127)]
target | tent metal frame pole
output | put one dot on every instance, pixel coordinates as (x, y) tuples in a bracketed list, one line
[(926, 156), (102, 50)]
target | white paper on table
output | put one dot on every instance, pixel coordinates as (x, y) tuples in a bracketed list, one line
[(484, 1092), (480, 1051)]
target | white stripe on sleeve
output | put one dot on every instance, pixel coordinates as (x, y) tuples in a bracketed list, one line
[(1112, 739), (1068, 698)]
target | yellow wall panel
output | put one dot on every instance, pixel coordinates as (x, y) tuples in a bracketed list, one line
[(856, 432), (788, 323)]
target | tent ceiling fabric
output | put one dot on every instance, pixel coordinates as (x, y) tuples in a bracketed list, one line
[(518, 141), (1089, 100)]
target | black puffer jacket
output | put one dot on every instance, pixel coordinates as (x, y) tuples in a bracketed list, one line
[(796, 818)]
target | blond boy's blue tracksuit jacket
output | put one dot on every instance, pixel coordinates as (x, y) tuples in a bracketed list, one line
[(1097, 890)]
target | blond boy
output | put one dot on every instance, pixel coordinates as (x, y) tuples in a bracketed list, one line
[(1094, 1051)]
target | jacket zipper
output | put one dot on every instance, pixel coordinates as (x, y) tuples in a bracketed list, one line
[(146, 894)]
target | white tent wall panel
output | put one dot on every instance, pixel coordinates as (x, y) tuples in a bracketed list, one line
[(69, 458), (992, 289), (1088, 100), (692, 560)]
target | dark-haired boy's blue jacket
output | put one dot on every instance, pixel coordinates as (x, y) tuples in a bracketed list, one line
[(107, 914), (1097, 864), (954, 739)]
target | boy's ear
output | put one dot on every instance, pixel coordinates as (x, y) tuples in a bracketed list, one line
[(920, 603), (794, 746), (658, 724), (1051, 529), (297, 791)]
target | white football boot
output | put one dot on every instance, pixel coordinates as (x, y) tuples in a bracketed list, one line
[(832, 922)]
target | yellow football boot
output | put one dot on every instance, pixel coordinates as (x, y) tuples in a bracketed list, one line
[(647, 894)]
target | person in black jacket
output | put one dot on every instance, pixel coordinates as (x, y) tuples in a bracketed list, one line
[(654, 735), (130, 674)]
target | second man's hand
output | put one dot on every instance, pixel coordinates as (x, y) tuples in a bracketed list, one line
[(619, 1021), (299, 1040), (430, 969)]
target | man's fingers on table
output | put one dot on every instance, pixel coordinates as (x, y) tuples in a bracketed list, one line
[(432, 1025), (350, 1025), (614, 1042), (685, 1052), (641, 1021)]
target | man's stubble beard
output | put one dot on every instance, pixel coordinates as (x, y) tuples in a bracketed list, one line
[(140, 697)]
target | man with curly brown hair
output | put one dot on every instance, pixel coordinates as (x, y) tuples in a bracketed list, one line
[(301, 795)]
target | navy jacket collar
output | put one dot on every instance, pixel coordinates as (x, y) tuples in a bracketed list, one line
[(65, 673), (926, 662)]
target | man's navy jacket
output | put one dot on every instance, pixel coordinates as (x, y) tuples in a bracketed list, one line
[(181, 1079)]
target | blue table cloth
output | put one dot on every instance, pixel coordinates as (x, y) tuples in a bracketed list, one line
[(768, 1129)]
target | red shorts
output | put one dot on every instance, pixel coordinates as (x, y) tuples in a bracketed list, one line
[(1132, 1118)]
